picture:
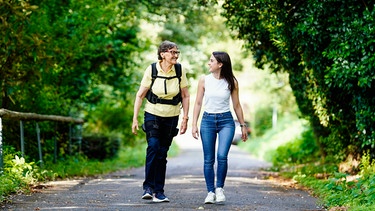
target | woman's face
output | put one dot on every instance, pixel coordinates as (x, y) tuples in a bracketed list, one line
[(171, 55), (214, 64)]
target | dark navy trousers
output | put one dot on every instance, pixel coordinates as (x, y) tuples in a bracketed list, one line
[(159, 133)]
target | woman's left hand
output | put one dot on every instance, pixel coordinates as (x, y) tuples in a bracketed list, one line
[(244, 134)]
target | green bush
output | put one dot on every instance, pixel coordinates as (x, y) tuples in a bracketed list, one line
[(342, 190), (300, 151), (18, 174), (263, 121), (100, 147)]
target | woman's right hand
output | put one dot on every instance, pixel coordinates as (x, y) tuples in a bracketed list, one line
[(195, 132), (135, 127)]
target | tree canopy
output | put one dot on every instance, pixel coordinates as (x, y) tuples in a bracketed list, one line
[(327, 47), (82, 58)]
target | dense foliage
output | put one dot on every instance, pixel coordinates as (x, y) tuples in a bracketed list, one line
[(327, 47), (343, 191), (82, 59), (60, 57), (302, 150)]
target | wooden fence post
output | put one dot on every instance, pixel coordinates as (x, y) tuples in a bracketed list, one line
[(55, 146), (22, 139), (7, 114), (80, 138), (39, 145), (70, 139)]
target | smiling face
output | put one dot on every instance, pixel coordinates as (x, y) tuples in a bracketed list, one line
[(171, 55), (214, 65), (168, 52)]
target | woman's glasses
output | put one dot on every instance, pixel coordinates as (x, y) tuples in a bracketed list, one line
[(174, 52)]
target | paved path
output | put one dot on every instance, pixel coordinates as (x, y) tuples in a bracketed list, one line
[(245, 188)]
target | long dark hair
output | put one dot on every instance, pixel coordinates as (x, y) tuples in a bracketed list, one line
[(226, 68)]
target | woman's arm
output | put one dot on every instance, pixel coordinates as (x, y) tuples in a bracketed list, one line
[(137, 106), (197, 107), (185, 107), (238, 110)]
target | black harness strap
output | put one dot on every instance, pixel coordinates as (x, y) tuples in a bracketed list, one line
[(152, 98)]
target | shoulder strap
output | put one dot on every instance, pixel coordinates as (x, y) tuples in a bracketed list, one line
[(177, 67), (154, 72)]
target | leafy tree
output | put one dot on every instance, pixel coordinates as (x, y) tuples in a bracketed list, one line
[(57, 54), (80, 58), (19, 50), (327, 47), (65, 49)]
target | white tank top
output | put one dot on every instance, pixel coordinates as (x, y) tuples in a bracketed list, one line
[(216, 95)]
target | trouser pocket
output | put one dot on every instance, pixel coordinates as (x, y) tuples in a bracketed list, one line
[(175, 132)]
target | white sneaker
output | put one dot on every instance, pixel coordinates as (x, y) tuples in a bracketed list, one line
[(210, 199), (220, 197)]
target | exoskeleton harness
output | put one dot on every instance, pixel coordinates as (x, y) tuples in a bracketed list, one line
[(152, 98), (152, 127)]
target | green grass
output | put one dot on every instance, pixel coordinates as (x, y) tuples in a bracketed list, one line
[(288, 129)]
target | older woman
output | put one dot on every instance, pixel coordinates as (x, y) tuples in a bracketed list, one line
[(165, 87)]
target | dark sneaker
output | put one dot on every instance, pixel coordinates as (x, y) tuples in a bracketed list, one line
[(147, 194), (160, 197)]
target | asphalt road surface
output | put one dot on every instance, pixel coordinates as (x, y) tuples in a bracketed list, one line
[(248, 187)]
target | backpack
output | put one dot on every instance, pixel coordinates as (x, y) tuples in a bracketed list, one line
[(152, 98)]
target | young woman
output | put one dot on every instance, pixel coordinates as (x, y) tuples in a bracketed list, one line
[(162, 109), (217, 88)]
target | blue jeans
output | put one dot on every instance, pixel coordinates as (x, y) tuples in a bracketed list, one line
[(213, 125), (159, 133)]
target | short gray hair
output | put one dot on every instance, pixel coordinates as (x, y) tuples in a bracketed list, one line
[(165, 46)]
